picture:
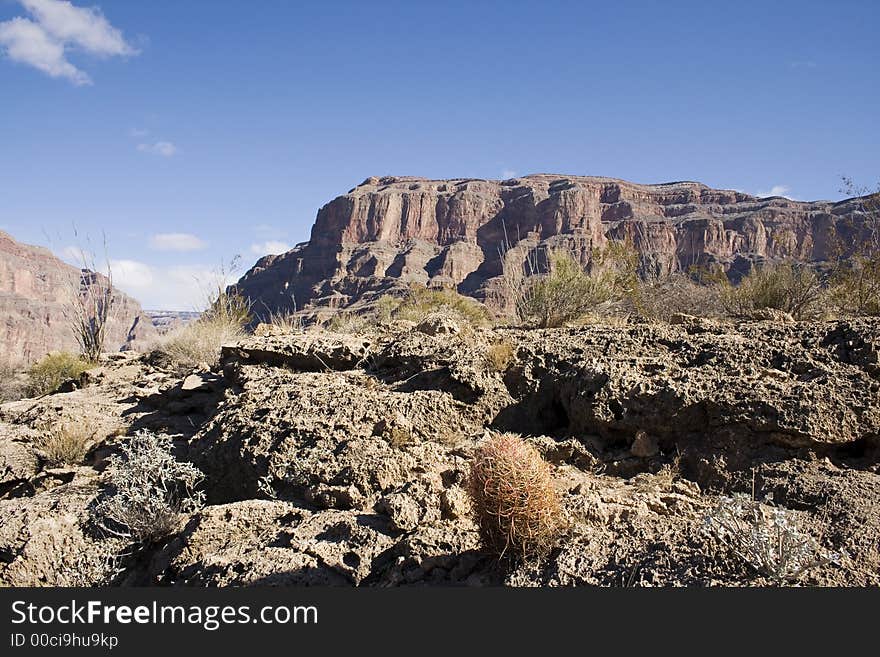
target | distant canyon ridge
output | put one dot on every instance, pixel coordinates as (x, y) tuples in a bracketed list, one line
[(35, 286), (388, 233)]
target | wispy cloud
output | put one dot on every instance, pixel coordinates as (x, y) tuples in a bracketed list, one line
[(181, 242), (776, 190), (138, 133), (57, 27), (272, 247), (175, 287), (163, 148), (507, 173)]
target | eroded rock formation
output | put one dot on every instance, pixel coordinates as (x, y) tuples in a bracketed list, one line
[(390, 232), (34, 288)]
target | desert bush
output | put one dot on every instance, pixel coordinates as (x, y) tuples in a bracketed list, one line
[(420, 302), (499, 354), (567, 291), (384, 308), (65, 442), (47, 374), (790, 287), (89, 308), (149, 489), (12, 388), (659, 299), (514, 501), (855, 285), (767, 538)]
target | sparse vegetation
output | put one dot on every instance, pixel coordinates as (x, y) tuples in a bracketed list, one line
[(46, 375), (660, 298), (149, 489), (499, 355), (767, 538), (855, 277), (567, 291), (198, 343), (855, 285), (286, 322), (514, 500), (421, 302), (89, 307), (66, 442), (12, 387), (790, 287)]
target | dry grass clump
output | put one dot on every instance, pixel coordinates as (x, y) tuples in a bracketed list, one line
[(286, 322), (790, 287), (46, 375), (66, 442), (499, 355), (421, 302), (149, 490), (513, 497), (198, 343)]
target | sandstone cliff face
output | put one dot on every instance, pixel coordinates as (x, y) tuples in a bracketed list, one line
[(34, 287), (390, 232)]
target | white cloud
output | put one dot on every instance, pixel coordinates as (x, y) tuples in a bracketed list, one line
[(177, 287), (507, 173), (76, 256), (273, 247), (131, 274), (138, 132), (176, 242), (26, 42), (163, 148), (776, 190), (85, 27), (58, 27)]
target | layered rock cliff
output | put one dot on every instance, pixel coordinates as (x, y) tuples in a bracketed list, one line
[(390, 232), (35, 286)]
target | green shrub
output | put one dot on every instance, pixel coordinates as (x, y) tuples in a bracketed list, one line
[(421, 302), (855, 285), (790, 287), (661, 298), (12, 388), (46, 375), (514, 500), (567, 291)]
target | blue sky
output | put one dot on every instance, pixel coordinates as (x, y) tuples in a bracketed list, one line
[(192, 131)]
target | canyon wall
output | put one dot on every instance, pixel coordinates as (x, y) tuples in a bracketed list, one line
[(388, 233)]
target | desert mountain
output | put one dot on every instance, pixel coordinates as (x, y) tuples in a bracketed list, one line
[(34, 287), (390, 232)]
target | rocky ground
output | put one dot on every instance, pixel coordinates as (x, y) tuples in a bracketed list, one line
[(335, 459)]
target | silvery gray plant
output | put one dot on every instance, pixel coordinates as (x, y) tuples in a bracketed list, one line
[(766, 537), (149, 489)]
